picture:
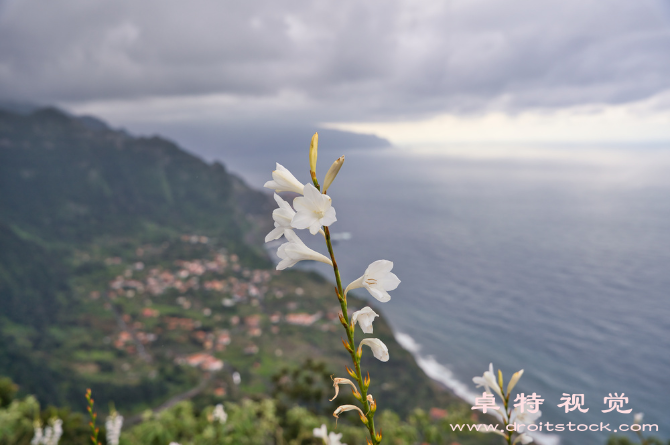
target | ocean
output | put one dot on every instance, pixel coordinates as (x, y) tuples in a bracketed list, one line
[(554, 260)]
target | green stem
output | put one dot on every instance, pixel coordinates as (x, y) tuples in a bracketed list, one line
[(505, 422), (352, 346)]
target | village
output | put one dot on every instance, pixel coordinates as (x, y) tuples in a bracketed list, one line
[(206, 312)]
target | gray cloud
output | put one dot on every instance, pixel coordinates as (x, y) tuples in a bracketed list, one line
[(377, 59)]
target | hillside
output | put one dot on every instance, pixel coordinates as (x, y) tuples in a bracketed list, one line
[(132, 267)]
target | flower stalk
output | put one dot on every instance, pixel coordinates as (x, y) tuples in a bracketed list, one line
[(94, 430), (314, 211), (351, 347)]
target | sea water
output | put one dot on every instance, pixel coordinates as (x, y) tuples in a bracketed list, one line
[(555, 261)]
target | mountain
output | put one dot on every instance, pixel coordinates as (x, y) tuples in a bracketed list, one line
[(133, 267), (64, 179)]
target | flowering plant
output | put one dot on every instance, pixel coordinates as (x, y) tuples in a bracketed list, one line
[(526, 412), (314, 211)]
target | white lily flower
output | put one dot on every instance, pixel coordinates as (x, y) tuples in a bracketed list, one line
[(488, 380), (113, 426), (364, 317), (38, 434), (219, 414), (340, 381), (284, 181), (637, 418), (524, 417), (513, 381), (282, 217), (334, 439), (53, 433), (328, 438), (50, 435), (378, 280), (379, 349), (313, 210), (295, 250), (321, 433)]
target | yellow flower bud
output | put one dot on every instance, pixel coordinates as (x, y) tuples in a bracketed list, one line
[(512, 383), (332, 173), (313, 151)]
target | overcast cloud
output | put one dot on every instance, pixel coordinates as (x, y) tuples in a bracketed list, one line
[(345, 60)]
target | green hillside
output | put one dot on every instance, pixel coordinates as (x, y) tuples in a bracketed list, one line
[(132, 267)]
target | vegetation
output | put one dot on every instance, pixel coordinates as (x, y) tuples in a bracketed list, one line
[(249, 421)]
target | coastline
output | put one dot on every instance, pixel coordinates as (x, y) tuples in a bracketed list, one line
[(442, 375)]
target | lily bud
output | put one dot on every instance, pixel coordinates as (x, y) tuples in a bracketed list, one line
[(366, 381), (346, 346), (379, 435), (340, 381), (351, 372), (339, 297), (512, 383), (313, 151), (332, 173), (500, 378), (342, 320)]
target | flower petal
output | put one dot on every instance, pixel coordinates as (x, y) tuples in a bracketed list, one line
[(314, 227), (379, 294), (354, 285), (312, 194), (390, 281), (283, 204), (284, 181), (329, 217), (379, 349), (276, 233), (295, 250), (286, 263), (379, 267), (303, 220), (321, 432)]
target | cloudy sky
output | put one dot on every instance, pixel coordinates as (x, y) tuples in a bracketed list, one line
[(415, 71)]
